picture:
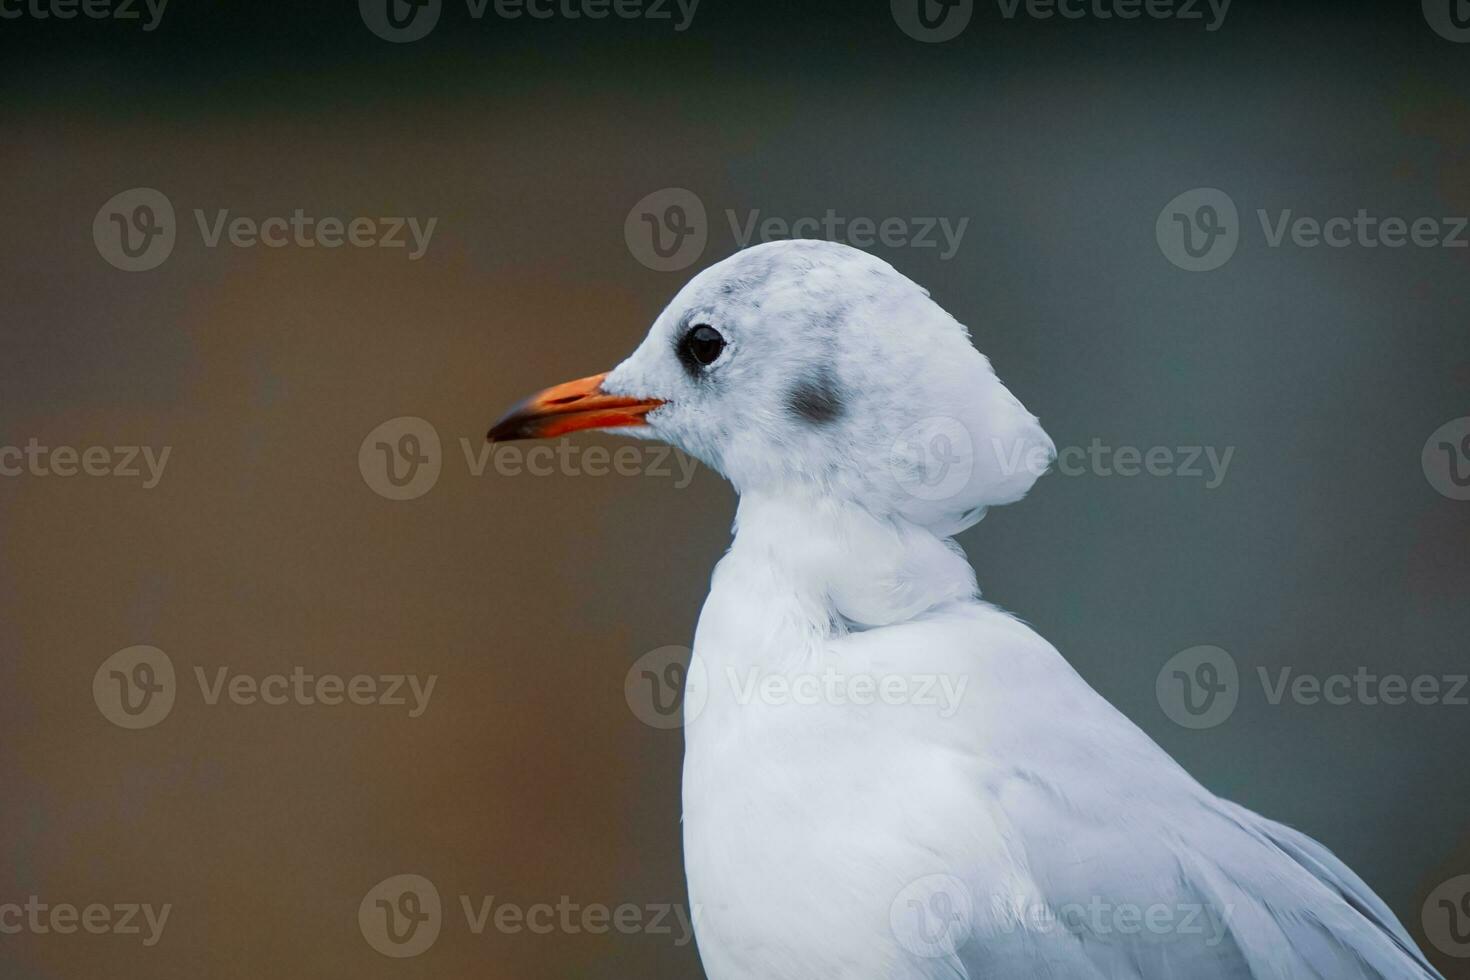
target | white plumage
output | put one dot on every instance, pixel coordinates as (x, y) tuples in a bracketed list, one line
[(1020, 828)]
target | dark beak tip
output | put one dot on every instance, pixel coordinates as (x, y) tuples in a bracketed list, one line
[(506, 430)]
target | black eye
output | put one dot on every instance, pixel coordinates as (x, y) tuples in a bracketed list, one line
[(702, 344)]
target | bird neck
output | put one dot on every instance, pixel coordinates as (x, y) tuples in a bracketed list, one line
[(825, 566)]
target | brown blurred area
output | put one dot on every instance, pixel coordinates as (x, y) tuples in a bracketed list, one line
[(262, 549)]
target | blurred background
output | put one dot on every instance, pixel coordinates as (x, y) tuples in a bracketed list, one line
[(327, 507)]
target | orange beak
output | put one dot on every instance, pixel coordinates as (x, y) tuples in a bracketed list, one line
[(571, 407)]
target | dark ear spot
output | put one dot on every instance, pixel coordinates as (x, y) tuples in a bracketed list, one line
[(816, 400)]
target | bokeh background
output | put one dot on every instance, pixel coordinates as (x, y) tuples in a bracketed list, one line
[(265, 547)]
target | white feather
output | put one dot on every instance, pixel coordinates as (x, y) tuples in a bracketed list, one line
[(1035, 826)]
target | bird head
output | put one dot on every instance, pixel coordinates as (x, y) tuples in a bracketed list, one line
[(808, 367)]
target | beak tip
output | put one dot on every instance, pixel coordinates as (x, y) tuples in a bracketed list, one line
[(506, 430), (570, 407)]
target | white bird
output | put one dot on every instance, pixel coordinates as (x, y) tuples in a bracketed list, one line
[(839, 820)]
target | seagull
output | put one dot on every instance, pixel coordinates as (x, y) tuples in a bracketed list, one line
[(888, 777)]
